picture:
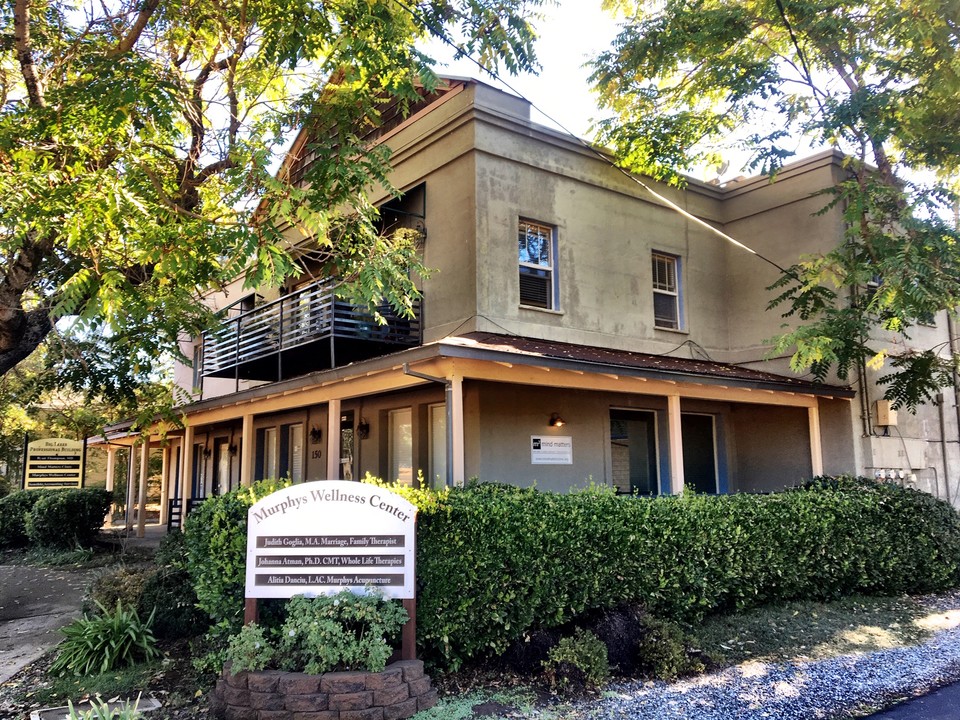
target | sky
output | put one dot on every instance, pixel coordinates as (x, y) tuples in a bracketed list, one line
[(571, 33)]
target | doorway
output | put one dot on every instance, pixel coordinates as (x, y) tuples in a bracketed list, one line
[(699, 436), (347, 438), (633, 449)]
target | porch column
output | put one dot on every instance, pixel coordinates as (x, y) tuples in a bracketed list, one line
[(142, 496), (164, 484), (186, 465), (457, 459), (333, 439), (128, 509), (816, 448), (111, 466), (247, 447), (676, 444)]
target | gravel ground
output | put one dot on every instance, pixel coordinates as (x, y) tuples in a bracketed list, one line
[(833, 688)]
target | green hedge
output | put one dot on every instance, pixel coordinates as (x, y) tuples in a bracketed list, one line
[(14, 509), (68, 518), (215, 537), (495, 561)]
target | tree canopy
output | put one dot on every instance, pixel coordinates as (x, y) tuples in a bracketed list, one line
[(879, 79), (138, 139)]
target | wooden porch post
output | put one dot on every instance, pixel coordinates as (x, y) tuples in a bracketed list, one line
[(333, 439), (816, 446), (186, 463), (247, 447), (142, 495), (164, 484), (457, 459), (111, 466), (676, 444)]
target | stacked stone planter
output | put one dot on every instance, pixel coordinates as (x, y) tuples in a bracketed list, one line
[(399, 691)]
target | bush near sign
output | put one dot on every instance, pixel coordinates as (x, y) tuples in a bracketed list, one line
[(324, 537)]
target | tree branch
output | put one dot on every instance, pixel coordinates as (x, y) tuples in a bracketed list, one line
[(133, 34), (21, 38)]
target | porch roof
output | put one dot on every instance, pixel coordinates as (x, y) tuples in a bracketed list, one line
[(522, 351), (481, 345)]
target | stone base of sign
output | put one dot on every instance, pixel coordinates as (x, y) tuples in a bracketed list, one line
[(399, 691)]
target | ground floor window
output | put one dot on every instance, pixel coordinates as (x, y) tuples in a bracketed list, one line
[(633, 447), (437, 467), (400, 445), (199, 479), (294, 435), (221, 468)]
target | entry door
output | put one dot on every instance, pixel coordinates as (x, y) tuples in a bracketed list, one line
[(633, 449), (346, 445), (698, 433)]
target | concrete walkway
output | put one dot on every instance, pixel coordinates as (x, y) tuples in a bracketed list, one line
[(34, 604)]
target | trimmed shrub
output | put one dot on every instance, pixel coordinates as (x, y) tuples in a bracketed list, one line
[(494, 562), (661, 651), (14, 509), (578, 663), (497, 563), (168, 593), (68, 518), (215, 538), (120, 585)]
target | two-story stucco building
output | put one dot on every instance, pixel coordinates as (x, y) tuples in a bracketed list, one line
[(574, 329)]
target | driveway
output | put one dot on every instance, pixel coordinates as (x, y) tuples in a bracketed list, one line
[(34, 604)]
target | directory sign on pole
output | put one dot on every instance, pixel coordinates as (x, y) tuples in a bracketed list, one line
[(53, 463), (320, 538)]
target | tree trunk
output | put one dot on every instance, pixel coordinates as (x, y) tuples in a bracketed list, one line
[(35, 327)]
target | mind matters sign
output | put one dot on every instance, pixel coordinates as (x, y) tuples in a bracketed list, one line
[(324, 537)]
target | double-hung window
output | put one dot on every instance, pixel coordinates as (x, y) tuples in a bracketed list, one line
[(537, 254), (667, 297)]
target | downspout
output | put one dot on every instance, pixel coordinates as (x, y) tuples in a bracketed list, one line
[(448, 396)]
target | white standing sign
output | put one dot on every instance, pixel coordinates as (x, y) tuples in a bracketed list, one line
[(551, 450), (323, 537)]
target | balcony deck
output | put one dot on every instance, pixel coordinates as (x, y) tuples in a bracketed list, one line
[(301, 332)]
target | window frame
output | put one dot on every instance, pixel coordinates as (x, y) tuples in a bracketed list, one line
[(550, 270), (676, 293), (398, 452)]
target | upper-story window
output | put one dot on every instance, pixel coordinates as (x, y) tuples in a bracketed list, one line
[(537, 254), (667, 292)]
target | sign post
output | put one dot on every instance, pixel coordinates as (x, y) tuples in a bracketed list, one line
[(321, 538)]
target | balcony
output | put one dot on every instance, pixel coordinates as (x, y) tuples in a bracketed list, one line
[(301, 332)]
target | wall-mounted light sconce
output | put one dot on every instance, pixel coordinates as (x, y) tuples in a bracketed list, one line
[(363, 429), (207, 452), (316, 435), (232, 448), (557, 421)]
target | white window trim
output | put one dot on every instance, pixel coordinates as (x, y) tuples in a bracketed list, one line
[(551, 268), (677, 293)]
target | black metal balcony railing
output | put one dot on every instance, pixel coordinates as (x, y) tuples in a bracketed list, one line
[(288, 336)]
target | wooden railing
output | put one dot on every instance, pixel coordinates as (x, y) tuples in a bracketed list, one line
[(298, 320)]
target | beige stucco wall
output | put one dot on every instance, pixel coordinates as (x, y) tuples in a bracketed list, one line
[(485, 167), (760, 447)]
